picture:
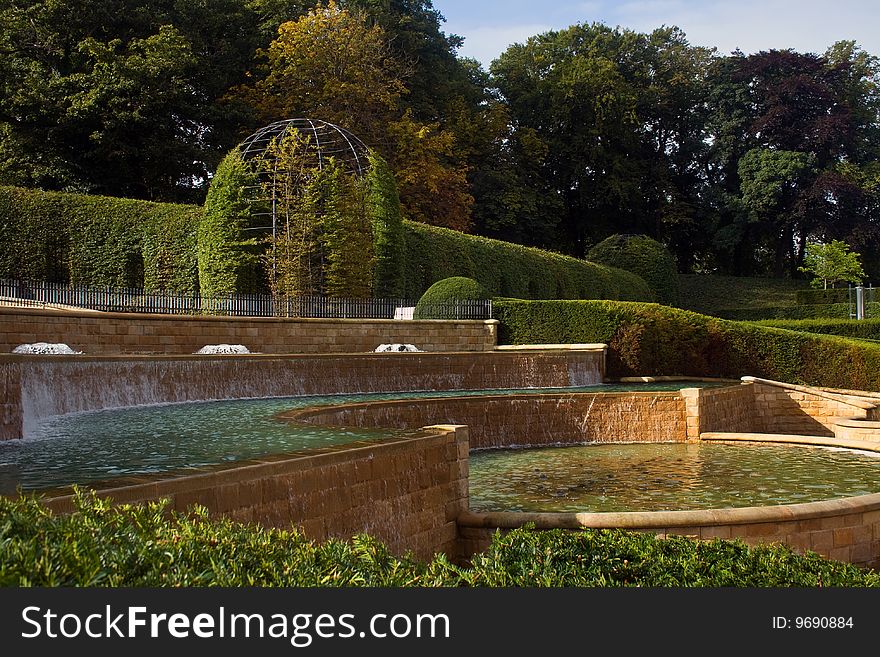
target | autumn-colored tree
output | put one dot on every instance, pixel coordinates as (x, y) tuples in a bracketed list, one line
[(332, 64)]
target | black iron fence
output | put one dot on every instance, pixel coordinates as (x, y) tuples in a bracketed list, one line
[(106, 299)]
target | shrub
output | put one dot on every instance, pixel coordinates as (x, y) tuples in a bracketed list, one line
[(383, 208), (863, 329), (97, 240), (436, 302), (831, 295), (510, 270), (641, 255), (648, 339), (811, 311), (148, 545), (228, 261)]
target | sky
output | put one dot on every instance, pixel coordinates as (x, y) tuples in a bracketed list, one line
[(489, 26)]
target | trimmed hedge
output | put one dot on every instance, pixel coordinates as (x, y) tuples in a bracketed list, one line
[(644, 256), (383, 208), (97, 240), (148, 545), (509, 270), (831, 295), (648, 339), (863, 329), (812, 311)]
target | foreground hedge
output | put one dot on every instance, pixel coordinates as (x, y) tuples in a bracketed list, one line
[(101, 545), (648, 339), (510, 270), (97, 240)]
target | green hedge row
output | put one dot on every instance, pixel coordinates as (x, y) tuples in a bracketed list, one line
[(810, 311), (509, 270), (137, 546), (648, 339), (863, 329), (97, 240), (831, 295)]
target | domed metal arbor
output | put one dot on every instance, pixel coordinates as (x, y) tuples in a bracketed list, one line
[(324, 141)]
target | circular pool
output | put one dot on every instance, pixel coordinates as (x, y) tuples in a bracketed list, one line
[(665, 477)]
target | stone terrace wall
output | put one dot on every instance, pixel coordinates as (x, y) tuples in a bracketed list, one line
[(727, 409), (518, 420), (123, 333), (41, 386), (407, 492), (798, 411)]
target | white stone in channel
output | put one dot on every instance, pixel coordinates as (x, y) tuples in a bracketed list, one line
[(224, 349), (44, 348)]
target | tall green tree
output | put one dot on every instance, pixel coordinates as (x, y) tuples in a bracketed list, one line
[(619, 116)]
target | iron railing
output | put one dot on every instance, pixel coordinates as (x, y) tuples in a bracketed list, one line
[(108, 299)]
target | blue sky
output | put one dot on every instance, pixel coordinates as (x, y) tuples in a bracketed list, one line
[(489, 26)]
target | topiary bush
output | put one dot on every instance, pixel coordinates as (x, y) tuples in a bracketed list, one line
[(438, 300), (101, 545), (383, 208), (644, 256), (862, 329), (649, 339)]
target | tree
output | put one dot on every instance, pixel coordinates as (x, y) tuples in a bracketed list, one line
[(832, 263), (333, 65)]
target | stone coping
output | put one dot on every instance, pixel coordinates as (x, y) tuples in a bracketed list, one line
[(160, 484), (672, 379), (665, 519), (19, 358), (92, 314), (793, 439), (303, 414), (818, 392), (552, 347)]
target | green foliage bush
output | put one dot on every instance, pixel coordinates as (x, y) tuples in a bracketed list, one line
[(97, 240), (228, 261), (648, 339), (509, 270), (810, 311), (383, 208), (831, 295), (863, 329), (434, 302), (641, 255), (149, 545)]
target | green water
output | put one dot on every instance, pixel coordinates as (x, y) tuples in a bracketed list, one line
[(665, 477), (101, 445)]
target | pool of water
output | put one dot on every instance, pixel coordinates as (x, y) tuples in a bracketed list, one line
[(665, 477), (87, 447)]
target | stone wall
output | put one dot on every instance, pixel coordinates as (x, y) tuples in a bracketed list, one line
[(520, 420), (42, 386), (799, 410), (407, 492), (722, 409), (125, 333)]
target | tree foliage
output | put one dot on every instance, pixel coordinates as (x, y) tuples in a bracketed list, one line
[(832, 263)]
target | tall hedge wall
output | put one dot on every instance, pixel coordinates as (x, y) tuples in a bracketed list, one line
[(648, 339), (97, 240), (509, 270)]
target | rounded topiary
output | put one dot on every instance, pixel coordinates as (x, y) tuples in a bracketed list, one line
[(438, 301), (644, 256)]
